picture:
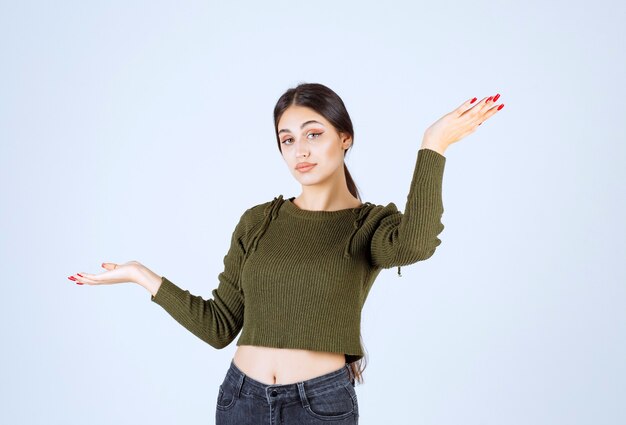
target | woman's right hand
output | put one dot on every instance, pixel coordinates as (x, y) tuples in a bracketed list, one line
[(116, 273)]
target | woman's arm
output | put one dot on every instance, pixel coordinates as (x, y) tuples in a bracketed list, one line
[(216, 320), (405, 238)]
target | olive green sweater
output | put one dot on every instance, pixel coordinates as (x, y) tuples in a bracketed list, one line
[(297, 278)]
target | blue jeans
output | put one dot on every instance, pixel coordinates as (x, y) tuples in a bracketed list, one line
[(328, 399)]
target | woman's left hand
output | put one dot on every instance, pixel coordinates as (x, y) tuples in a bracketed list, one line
[(460, 122)]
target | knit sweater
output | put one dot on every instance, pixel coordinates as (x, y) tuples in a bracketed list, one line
[(296, 278)]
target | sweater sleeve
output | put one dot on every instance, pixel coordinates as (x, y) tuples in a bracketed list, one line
[(401, 239), (216, 321)]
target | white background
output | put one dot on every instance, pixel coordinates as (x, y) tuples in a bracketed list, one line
[(141, 130)]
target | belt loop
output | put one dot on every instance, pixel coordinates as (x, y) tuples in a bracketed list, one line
[(303, 398), (349, 370)]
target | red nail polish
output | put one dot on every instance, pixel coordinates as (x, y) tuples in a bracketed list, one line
[(80, 275), (488, 99), (501, 106), (496, 97), (71, 278), (78, 283), (473, 100)]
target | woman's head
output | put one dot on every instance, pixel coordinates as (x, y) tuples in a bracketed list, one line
[(312, 125)]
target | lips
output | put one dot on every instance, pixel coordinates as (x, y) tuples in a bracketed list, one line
[(304, 166)]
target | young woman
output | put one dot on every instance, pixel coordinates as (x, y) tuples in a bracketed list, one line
[(299, 270)]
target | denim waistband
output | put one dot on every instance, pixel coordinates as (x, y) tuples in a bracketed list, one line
[(288, 392)]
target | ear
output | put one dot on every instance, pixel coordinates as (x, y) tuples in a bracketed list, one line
[(346, 140)]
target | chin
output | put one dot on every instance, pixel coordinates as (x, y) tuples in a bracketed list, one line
[(305, 181)]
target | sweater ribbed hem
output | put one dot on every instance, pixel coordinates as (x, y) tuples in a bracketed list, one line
[(168, 294)]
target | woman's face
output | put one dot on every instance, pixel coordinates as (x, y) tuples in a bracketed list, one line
[(305, 136)]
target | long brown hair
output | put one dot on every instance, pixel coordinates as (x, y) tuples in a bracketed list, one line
[(328, 104)]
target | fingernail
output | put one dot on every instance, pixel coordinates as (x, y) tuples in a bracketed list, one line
[(71, 278), (80, 275), (496, 97), (488, 99), (78, 283), (500, 107), (473, 100)]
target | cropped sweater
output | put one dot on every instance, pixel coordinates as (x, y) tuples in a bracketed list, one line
[(296, 278)]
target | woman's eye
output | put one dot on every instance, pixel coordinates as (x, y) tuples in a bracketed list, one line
[(310, 134)]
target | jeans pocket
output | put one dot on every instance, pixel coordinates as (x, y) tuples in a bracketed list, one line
[(226, 396), (352, 391), (334, 404)]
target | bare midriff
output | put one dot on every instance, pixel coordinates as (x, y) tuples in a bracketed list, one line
[(281, 366)]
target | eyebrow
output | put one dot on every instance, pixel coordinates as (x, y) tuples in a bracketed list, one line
[(284, 130)]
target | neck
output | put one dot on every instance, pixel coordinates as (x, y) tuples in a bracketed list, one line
[(330, 195)]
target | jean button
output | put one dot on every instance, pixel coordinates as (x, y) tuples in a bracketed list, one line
[(274, 393)]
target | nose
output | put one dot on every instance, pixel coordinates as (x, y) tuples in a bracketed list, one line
[(302, 148)]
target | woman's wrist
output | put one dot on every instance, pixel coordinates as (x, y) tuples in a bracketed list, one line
[(148, 279), (433, 145)]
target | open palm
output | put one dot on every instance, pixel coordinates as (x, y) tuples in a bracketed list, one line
[(462, 121), (116, 273)]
